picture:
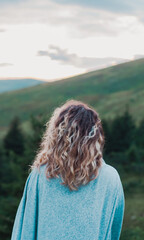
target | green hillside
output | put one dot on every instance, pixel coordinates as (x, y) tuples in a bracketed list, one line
[(108, 90)]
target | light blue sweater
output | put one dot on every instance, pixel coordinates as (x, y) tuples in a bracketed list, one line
[(49, 211)]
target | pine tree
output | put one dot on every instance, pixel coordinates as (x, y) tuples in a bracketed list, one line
[(14, 139), (139, 137), (106, 128), (32, 142), (122, 132)]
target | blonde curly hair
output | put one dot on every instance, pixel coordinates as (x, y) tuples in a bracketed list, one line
[(72, 144)]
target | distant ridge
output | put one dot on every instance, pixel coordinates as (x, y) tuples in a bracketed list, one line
[(108, 90), (16, 84)]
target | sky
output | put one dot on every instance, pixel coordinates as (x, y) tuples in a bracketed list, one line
[(55, 39)]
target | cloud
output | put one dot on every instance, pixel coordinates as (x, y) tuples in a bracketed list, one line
[(123, 6), (2, 30), (138, 56), (62, 55), (9, 2), (78, 20), (6, 64)]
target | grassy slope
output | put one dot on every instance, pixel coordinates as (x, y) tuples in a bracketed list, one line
[(134, 208), (108, 90)]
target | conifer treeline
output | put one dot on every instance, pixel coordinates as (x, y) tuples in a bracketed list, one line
[(124, 149)]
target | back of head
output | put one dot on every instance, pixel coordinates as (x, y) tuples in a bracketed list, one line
[(72, 144)]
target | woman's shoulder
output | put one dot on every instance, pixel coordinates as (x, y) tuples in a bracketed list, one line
[(109, 169), (37, 170), (108, 177), (110, 174), (106, 170)]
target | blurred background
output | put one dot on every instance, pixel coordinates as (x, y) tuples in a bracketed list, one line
[(55, 50)]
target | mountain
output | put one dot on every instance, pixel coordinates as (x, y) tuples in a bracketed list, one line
[(15, 84), (108, 90)]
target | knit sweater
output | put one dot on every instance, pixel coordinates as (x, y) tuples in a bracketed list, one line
[(50, 211)]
